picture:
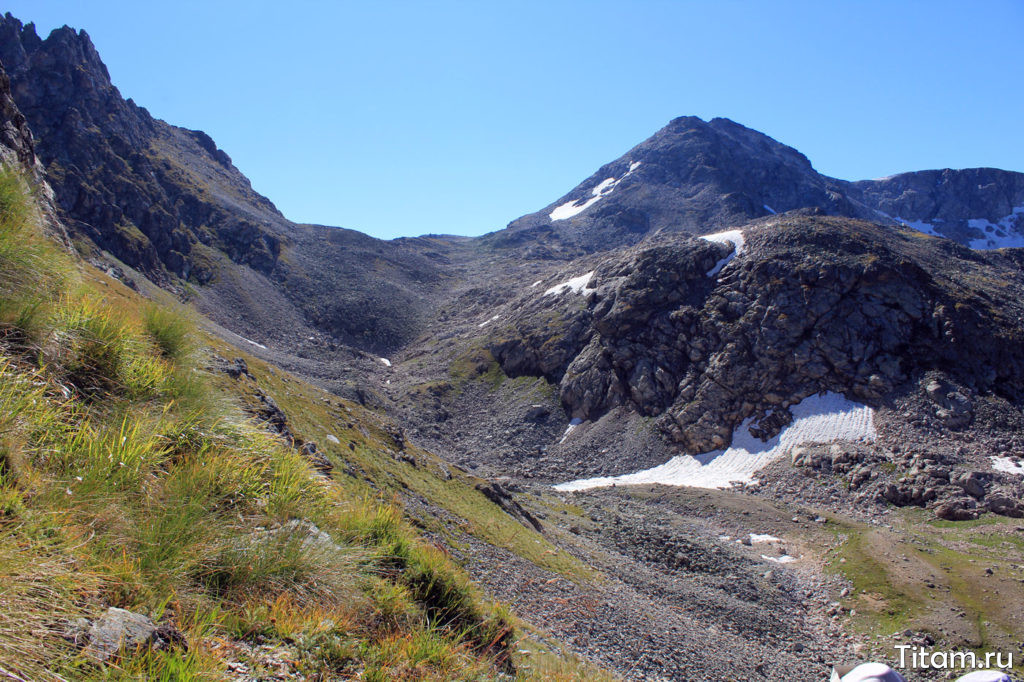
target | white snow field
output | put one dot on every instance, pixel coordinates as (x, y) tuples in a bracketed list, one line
[(817, 419), (603, 189), (1011, 227), (1007, 224), (385, 362), (733, 237), (1007, 465), (576, 285)]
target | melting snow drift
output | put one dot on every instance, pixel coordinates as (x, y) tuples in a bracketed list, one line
[(1008, 466), (817, 419), (258, 345), (604, 188), (488, 321), (385, 362), (569, 429), (1003, 234), (1007, 232), (733, 237), (576, 285)]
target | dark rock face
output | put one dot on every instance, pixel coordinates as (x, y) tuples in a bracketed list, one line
[(17, 150), (813, 304), (151, 194), (168, 202), (950, 200), (691, 176), (695, 177), (16, 143)]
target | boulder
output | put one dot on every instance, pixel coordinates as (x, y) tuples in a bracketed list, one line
[(536, 413), (494, 492), (120, 630), (1005, 503), (960, 509), (972, 483)]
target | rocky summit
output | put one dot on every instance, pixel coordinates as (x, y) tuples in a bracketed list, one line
[(708, 401), (694, 176)]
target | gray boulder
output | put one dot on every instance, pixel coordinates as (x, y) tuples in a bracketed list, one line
[(120, 630)]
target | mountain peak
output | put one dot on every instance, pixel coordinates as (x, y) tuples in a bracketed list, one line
[(691, 176), (695, 176)]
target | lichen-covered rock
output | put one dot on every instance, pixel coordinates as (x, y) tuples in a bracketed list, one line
[(120, 630)]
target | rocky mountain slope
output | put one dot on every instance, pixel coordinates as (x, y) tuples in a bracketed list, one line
[(845, 360), (168, 203), (694, 176)]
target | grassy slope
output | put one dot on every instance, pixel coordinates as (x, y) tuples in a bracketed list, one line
[(929, 575), (129, 477)]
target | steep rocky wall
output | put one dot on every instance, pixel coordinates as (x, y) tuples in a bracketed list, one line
[(814, 304), (17, 150), (145, 191)]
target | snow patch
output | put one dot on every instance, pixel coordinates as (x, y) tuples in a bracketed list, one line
[(603, 189), (333, 439), (763, 537), (1000, 235), (577, 285), (1007, 232), (732, 238), (258, 345), (487, 322), (536, 283), (784, 559), (1008, 465), (817, 419), (919, 225), (569, 429), (770, 209), (385, 362)]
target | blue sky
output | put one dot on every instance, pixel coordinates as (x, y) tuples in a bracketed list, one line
[(405, 118)]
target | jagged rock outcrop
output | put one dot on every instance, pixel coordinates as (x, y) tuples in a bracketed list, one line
[(16, 144), (168, 202), (155, 196), (17, 150), (813, 304), (979, 207)]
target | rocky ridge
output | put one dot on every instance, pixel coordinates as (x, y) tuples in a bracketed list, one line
[(814, 304), (697, 177)]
